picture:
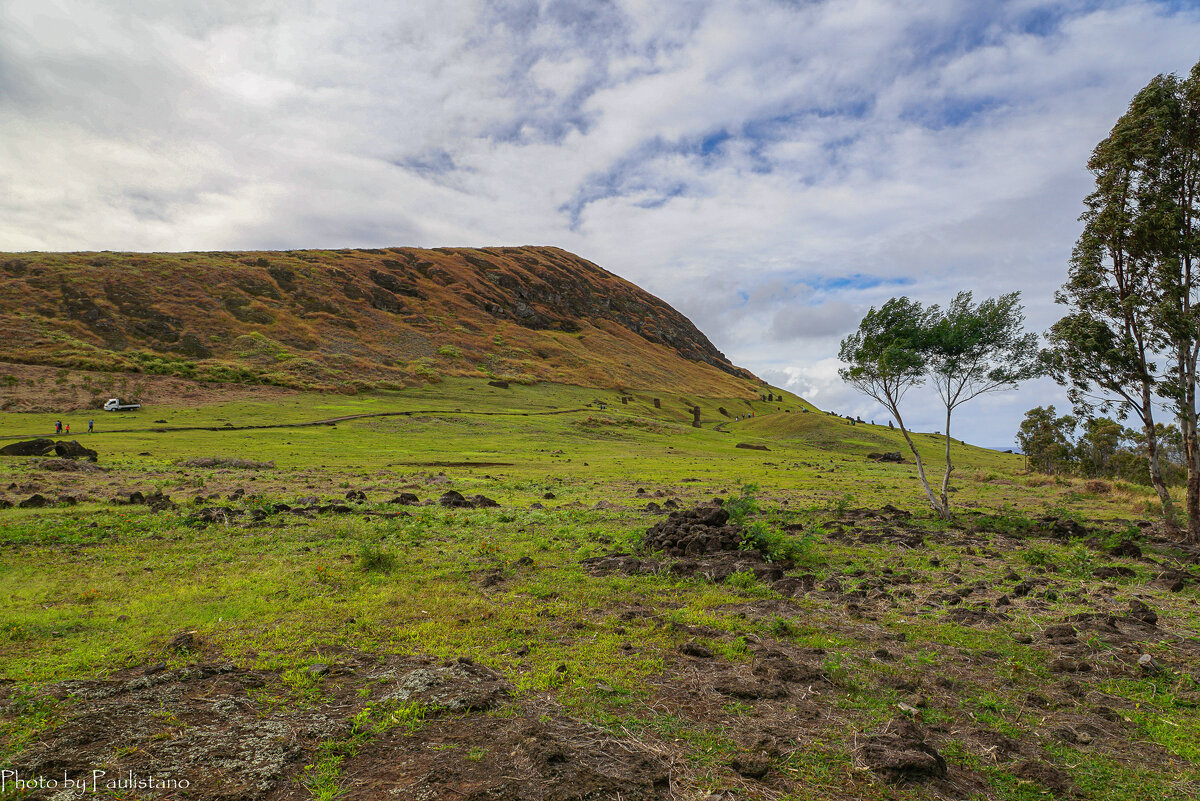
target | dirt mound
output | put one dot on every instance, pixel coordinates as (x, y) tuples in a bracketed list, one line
[(899, 753), (460, 686), (693, 532), (69, 466), (540, 754), (199, 732), (195, 725), (224, 461)]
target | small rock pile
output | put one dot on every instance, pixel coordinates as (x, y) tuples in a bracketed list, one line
[(455, 500), (693, 532)]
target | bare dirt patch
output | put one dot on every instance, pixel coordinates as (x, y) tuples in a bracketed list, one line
[(55, 390)]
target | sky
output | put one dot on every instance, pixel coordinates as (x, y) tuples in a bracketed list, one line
[(771, 168)]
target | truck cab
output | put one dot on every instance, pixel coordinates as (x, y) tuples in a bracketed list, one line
[(115, 405)]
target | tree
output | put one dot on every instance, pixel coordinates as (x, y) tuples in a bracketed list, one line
[(1098, 446), (1133, 331), (885, 358), (1045, 439), (972, 350), (967, 350)]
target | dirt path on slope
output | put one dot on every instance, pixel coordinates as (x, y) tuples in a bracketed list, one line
[(326, 422)]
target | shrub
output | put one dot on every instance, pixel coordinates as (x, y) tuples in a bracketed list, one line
[(375, 559), (1035, 557), (742, 505), (777, 546), (743, 580), (449, 351)]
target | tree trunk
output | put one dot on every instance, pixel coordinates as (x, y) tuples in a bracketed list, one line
[(941, 511), (1156, 479), (1191, 448), (949, 469)]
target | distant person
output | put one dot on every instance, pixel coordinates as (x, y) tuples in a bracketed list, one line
[(58, 426), (91, 425), (68, 429)]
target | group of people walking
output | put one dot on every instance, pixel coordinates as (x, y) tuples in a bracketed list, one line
[(62, 429)]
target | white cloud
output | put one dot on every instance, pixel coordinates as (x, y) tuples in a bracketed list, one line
[(732, 158)]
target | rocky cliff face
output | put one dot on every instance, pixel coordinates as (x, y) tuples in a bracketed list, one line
[(323, 318)]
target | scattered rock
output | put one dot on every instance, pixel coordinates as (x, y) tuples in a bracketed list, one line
[(1142, 613), (34, 501), (1065, 664), (183, 641), (1113, 571), (749, 447), (892, 457), (1127, 549), (453, 499), (696, 649), (1149, 665), (405, 499), (693, 532), (460, 686)]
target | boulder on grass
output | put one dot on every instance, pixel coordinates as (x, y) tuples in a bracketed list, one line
[(28, 447), (73, 450)]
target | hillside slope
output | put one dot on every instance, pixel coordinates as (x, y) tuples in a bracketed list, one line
[(354, 319)]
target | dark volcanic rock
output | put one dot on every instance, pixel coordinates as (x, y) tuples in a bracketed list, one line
[(453, 499), (73, 450), (693, 532), (29, 447), (35, 501)]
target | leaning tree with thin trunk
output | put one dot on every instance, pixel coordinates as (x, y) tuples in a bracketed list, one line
[(885, 359), (972, 350), (1132, 336), (967, 350)]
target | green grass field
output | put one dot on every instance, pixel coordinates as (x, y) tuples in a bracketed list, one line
[(94, 592)]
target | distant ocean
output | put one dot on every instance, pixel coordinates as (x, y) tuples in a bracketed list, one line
[(1002, 448)]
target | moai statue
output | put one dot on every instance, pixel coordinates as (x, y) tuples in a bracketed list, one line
[(657, 403), (624, 399), (695, 417)]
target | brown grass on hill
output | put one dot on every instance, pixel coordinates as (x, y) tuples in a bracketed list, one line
[(353, 319)]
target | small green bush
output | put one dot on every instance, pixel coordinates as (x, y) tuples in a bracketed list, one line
[(375, 559), (778, 546), (742, 505)]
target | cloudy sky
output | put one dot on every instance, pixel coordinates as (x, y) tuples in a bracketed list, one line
[(770, 167)]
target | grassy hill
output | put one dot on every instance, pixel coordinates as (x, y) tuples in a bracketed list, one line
[(353, 320), (283, 623)]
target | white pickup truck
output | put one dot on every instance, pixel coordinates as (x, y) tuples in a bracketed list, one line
[(115, 405)]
